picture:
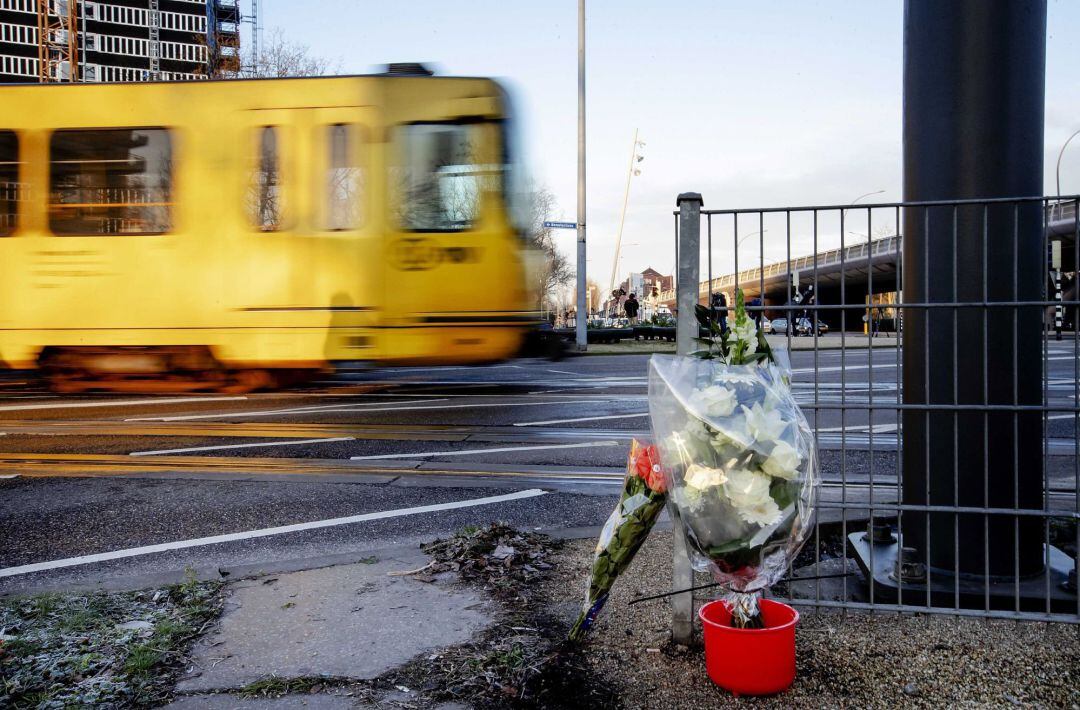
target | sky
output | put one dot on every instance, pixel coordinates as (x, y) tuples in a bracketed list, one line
[(789, 102)]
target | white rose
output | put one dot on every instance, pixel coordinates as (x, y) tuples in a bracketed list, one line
[(714, 401), (696, 429), (764, 425), (748, 491), (746, 488), (702, 477), (783, 461)]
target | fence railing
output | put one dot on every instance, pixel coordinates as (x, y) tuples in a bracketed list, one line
[(950, 453)]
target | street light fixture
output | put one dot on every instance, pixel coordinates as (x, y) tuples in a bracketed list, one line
[(1061, 153)]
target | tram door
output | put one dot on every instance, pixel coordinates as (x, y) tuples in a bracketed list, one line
[(310, 246)]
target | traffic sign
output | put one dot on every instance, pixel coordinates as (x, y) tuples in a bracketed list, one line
[(560, 225)]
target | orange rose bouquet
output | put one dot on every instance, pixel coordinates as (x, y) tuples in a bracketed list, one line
[(643, 496)]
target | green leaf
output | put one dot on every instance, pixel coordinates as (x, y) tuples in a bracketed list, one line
[(704, 317), (730, 546), (784, 492)]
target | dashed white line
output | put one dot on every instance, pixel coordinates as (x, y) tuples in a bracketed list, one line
[(117, 403), (583, 419), (292, 442), (425, 454), (265, 532)]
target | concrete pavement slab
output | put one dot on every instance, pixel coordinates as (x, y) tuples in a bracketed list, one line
[(348, 621)]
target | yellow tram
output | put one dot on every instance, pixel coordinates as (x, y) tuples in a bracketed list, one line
[(227, 233)]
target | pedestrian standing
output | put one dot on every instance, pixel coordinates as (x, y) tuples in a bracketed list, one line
[(755, 312), (631, 307), (719, 307)]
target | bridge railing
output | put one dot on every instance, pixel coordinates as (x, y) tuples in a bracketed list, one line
[(950, 453)]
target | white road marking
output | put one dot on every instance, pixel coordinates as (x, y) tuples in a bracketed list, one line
[(310, 409), (117, 403), (242, 446), (564, 372), (583, 419), (425, 454), (265, 532), (355, 408), (9, 475)]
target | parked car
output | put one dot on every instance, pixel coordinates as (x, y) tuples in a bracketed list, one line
[(766, 325), (803, 326), (800, 326)]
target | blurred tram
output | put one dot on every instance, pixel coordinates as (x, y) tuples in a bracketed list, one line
[(237, 234)]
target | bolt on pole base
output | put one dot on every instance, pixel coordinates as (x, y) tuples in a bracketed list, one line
[(919, 585)]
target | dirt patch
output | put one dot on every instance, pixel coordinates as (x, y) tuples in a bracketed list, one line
[(850, 660), (522, 661)]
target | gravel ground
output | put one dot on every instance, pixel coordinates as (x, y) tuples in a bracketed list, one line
[(851, 660)]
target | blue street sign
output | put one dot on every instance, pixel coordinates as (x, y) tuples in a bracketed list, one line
[(560, 225)]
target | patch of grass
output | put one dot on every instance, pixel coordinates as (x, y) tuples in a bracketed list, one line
[(276, 687), (72, 650), (141, 660)]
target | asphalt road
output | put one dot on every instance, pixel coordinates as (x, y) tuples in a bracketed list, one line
[(107, 473)]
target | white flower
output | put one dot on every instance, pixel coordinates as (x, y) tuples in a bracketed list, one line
[(764, 425), (746, 487), (714, 401), (747, 330), (764, 513), (721, 442), (783, 461), (702, 478), (696, 429), (748, 491)]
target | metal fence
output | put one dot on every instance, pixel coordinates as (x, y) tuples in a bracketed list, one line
[(945, 397)]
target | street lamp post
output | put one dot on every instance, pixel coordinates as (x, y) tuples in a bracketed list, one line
[(582, 337)]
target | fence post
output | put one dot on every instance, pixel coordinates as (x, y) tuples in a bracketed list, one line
[(686, 297)]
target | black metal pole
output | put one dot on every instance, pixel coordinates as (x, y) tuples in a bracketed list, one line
[(974, 78)]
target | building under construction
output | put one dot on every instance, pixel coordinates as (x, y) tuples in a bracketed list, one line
[(120, 40)]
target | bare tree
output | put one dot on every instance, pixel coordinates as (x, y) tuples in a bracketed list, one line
[(279, 57), (555, 269)]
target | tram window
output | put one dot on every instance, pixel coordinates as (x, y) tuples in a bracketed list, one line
[(110, 182), (344, 179), (265, 199), (10, 189), (438, 181)]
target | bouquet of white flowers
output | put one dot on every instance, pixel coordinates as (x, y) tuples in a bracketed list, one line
[(739, 456)]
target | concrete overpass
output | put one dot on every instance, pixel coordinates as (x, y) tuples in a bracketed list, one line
[(856, 270)]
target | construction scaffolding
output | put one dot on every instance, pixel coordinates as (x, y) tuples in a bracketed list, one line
[(58, 40)]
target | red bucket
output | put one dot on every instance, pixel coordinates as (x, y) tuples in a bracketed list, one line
[(750, 661)]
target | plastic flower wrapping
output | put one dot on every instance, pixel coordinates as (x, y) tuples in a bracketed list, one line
[(640, 503), (739, 459)]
